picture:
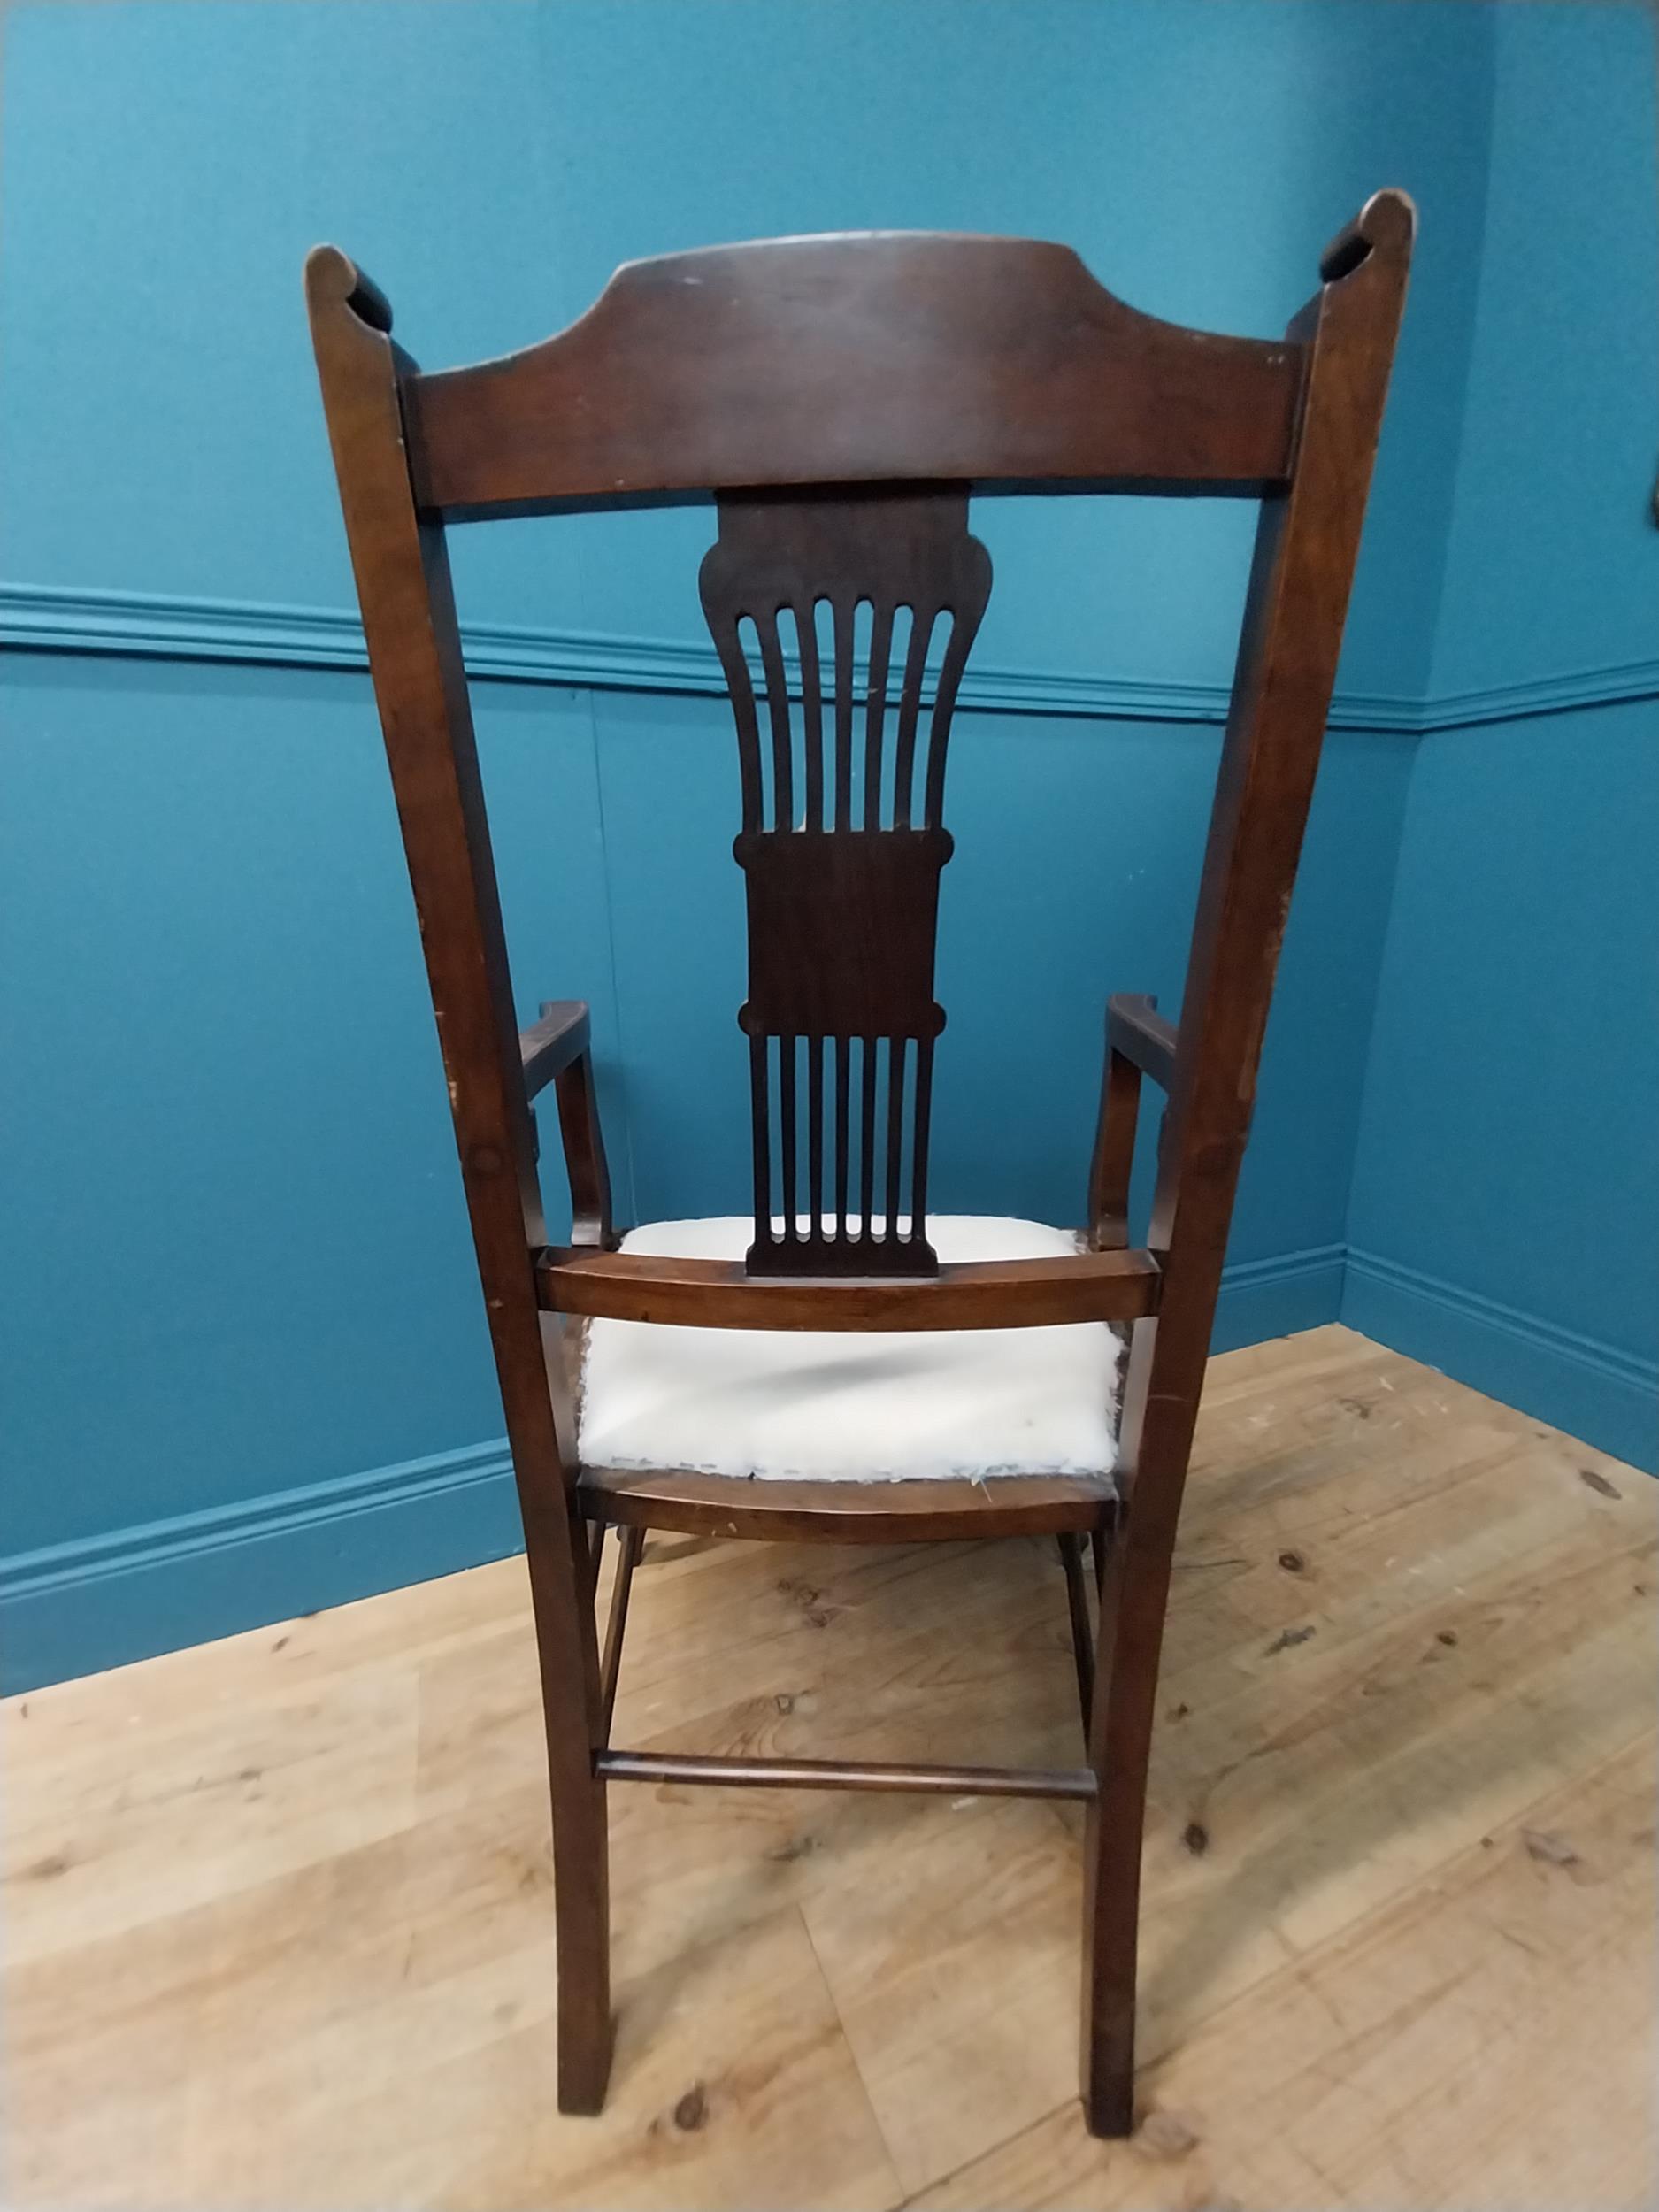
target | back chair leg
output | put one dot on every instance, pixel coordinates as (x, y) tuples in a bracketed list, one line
[(581, 1904)]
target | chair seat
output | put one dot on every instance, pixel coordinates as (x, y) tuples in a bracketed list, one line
[(902, 1406)]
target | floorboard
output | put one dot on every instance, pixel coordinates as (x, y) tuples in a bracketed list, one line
[(277, 1914)]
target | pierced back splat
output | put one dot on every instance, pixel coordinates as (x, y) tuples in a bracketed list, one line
[(841, 846)]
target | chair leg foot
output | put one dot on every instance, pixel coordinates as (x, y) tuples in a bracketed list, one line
[(1110, 1911), (584, 2048), (584, 2075), (1109, 2085)]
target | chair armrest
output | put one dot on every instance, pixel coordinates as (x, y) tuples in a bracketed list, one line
[(558, 1049), (1135, 1028), (560, 1037)]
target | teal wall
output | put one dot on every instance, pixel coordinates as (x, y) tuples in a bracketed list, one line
[(244, 1360), (1505, 1211)]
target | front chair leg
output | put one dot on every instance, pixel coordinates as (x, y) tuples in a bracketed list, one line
[(1120, 1739)]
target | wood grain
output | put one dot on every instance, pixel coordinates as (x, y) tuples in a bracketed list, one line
[(277, 1927), (968, 1294), (401, 565), (871, 356), (1307, 542), (945, 1510), (840, 398), (841, 854)]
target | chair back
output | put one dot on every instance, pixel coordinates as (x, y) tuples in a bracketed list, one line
[(842, 397)]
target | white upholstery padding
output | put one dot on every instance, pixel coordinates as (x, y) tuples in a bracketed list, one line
[(846, 1406)]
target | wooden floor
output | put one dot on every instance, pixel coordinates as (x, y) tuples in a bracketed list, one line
[(279, 1927)]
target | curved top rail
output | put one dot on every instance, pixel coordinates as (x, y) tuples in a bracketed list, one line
[(858, 356)]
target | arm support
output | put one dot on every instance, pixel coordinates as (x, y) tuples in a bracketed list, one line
[(559, 1050), (1139, 1041)]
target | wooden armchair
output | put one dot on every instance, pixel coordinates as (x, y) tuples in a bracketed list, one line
[(841, 396)]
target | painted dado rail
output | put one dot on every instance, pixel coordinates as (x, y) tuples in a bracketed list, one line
[(162, 626)]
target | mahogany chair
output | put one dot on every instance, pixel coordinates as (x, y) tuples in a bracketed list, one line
[(840, 398)]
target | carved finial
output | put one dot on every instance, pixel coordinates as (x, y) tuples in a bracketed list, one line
[(334, 279), (1387, 223)]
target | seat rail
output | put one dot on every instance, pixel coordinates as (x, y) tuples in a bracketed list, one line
[(920, 1509), (721, 1294)]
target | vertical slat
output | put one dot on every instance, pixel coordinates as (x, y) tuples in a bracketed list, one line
[(895, 1128), (955, 659), (735, 669), (815, 1131), (919, 1157), (867, 1141), (778, 711), (844, 609), (811, 714), (875, 712), (843, 1050), (910, 708), (760, 1108), (787, 1136)]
